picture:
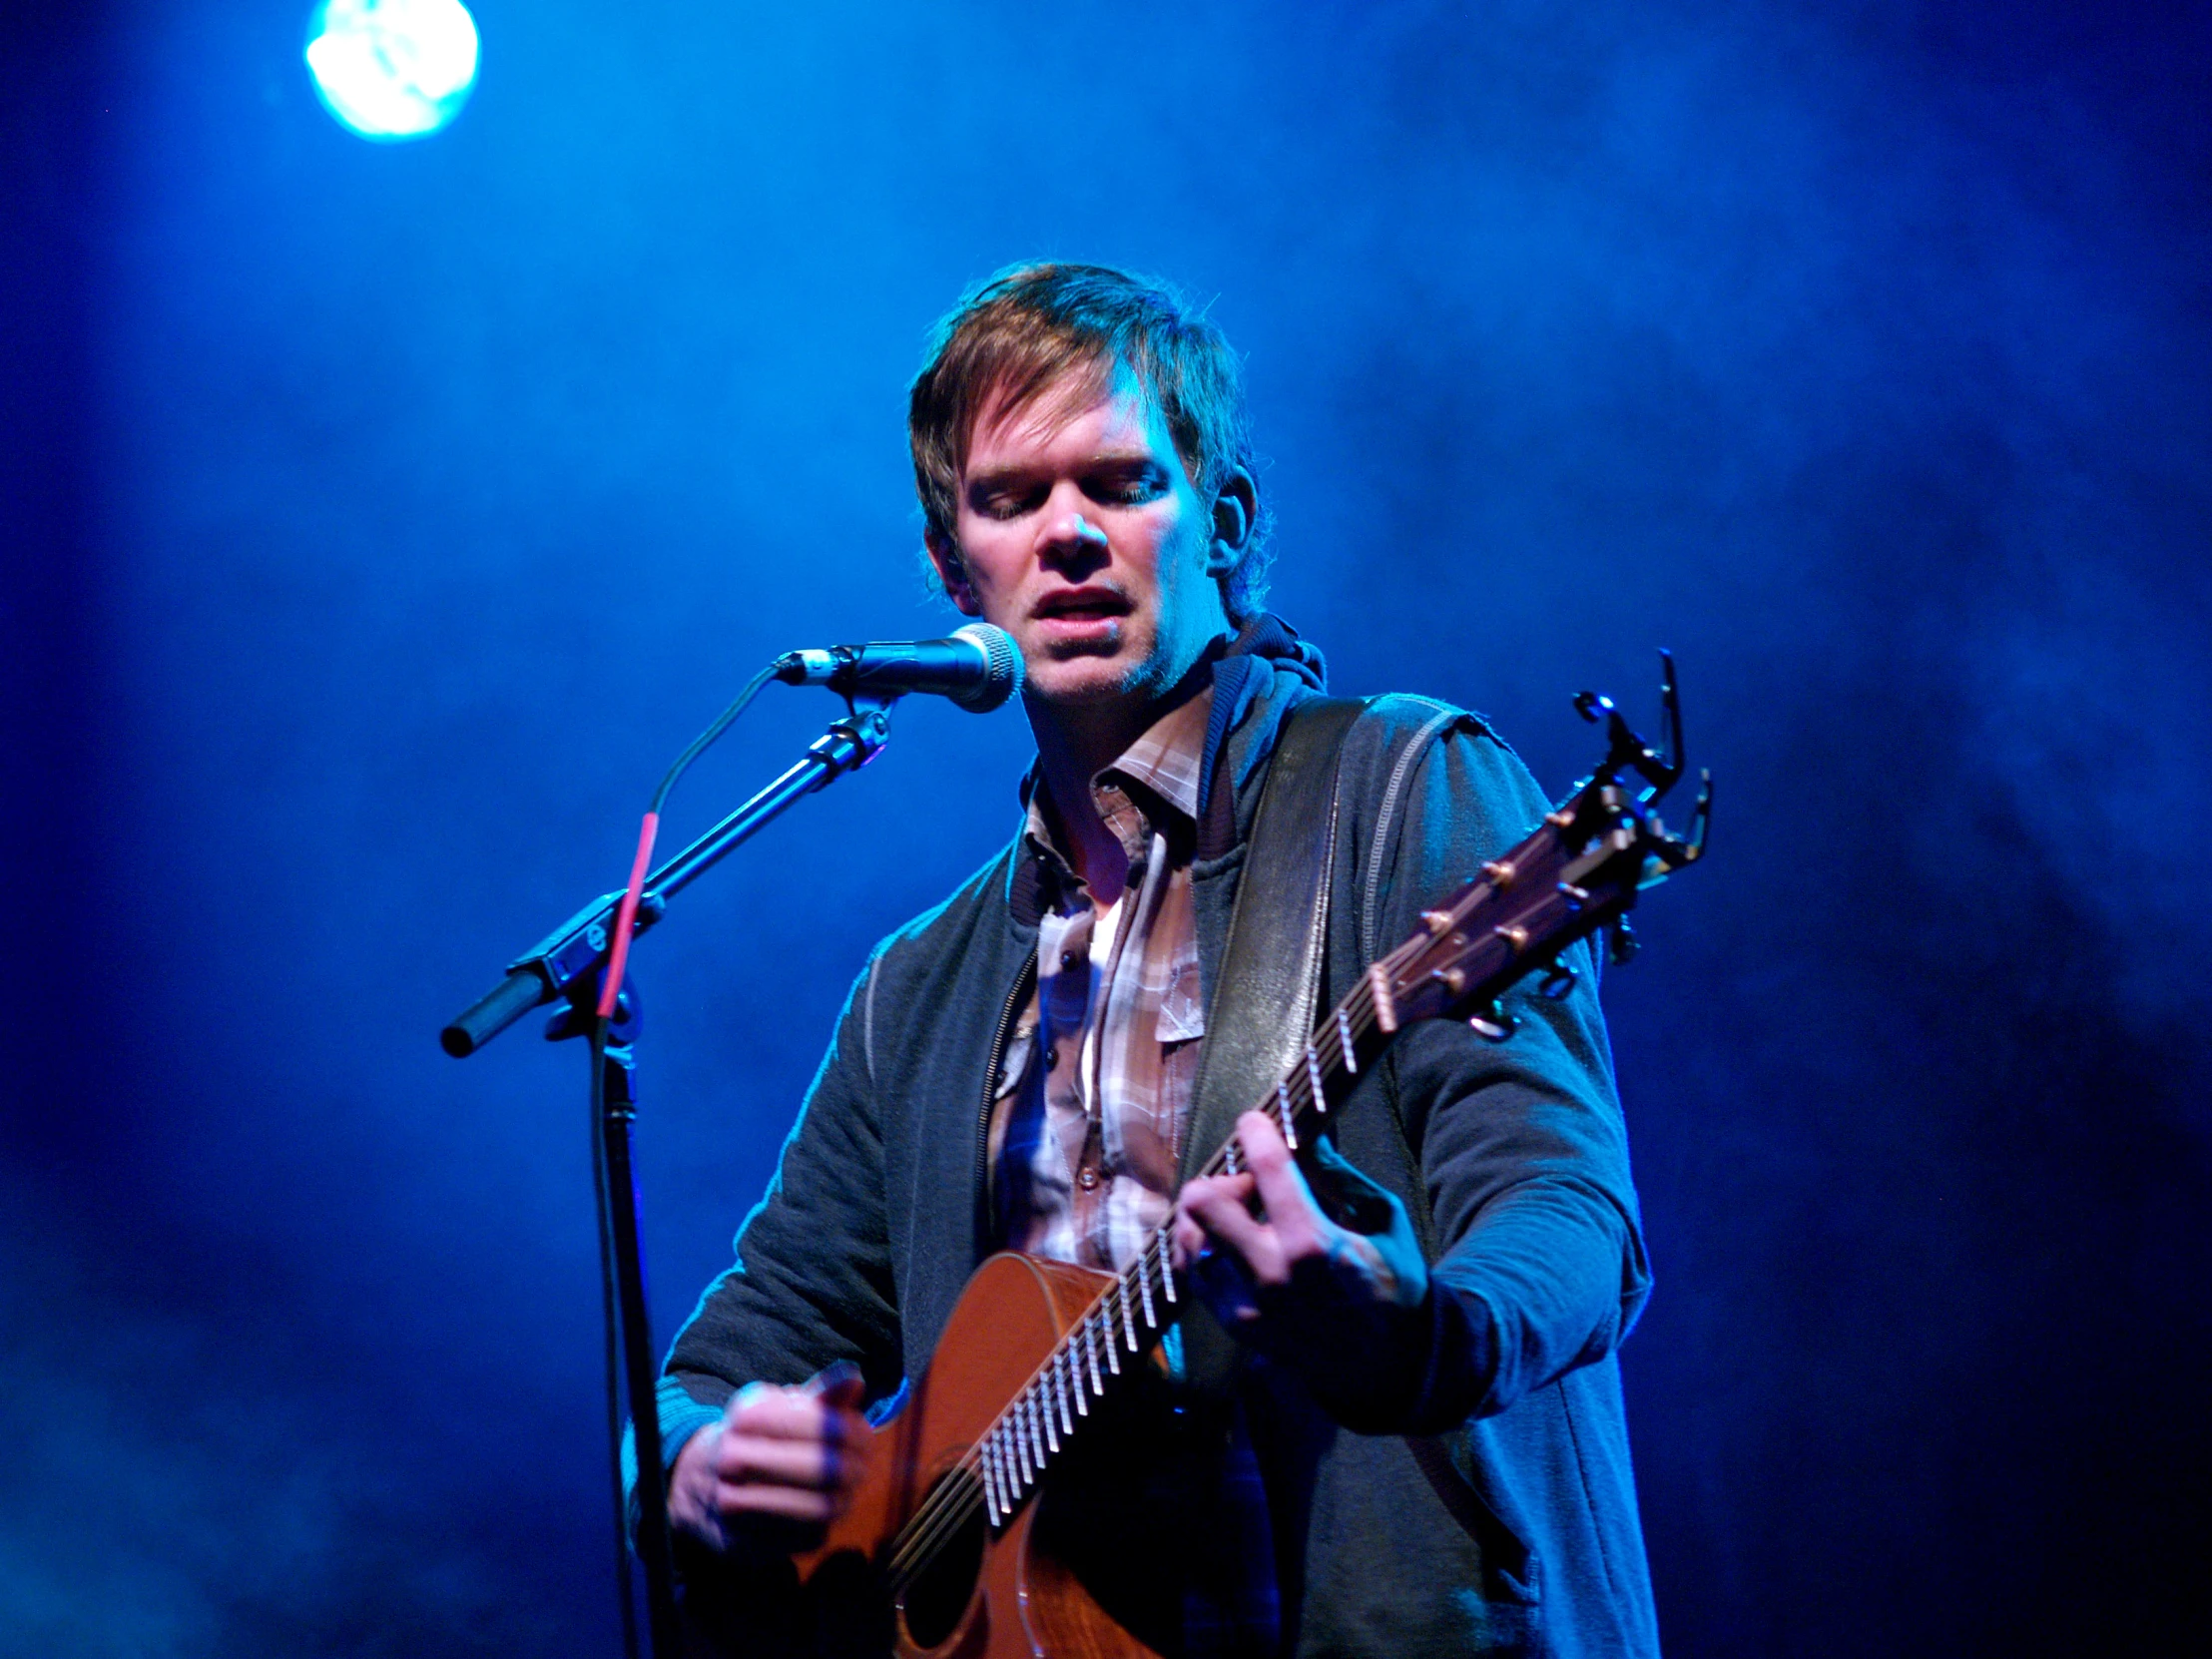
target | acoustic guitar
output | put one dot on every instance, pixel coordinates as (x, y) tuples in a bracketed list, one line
[(940, 1540)]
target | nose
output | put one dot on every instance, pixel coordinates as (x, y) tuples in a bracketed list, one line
[(1067, 537)]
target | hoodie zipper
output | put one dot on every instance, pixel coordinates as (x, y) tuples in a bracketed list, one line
[(1023, 981)]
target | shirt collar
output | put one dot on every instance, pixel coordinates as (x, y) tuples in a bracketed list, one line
[(1165, 763), (1166, 759)]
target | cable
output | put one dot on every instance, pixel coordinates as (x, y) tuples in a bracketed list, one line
[(610, 987)]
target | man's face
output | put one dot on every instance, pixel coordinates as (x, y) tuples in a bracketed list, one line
[(1082, 536)]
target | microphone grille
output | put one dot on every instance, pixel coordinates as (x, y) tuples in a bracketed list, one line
[(1003, 670)]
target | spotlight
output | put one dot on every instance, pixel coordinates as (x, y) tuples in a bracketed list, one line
[(392, 69)]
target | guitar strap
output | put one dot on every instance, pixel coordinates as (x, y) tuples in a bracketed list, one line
[(1263, 1000), (1263, 1006), (1262, 1016)]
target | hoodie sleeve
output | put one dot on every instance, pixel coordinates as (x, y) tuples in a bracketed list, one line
[(811, 1283), (1520, 1147)]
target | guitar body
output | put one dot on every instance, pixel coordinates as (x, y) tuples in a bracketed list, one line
[(992, 1593)]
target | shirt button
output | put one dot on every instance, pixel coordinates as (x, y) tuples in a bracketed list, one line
[(1087, 1179), (1067, 959)]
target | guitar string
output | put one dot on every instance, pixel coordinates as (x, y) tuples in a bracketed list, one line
[(955, 1502)]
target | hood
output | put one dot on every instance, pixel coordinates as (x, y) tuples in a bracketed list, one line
[(1268, 636)]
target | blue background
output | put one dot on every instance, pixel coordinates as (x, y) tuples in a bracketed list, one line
[(379, 519)]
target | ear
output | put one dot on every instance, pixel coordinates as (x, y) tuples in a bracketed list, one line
[(1236, 508), (951, 572)]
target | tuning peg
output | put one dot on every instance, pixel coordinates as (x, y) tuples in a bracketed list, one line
[(1559, 982), (1670, 852), (1494, 1025), (1624, 943), (1701, 817)]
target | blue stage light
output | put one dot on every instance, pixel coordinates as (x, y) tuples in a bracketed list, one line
[(392, 69)]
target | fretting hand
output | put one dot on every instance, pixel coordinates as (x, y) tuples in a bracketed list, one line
[(1345, 1309)]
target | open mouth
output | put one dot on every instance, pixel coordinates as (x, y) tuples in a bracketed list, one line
[(1076, 605)]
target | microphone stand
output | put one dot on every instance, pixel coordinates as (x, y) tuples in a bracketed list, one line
[(566, 965)]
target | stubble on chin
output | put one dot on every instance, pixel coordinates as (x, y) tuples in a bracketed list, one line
[(1076, 674), (1084, 682)]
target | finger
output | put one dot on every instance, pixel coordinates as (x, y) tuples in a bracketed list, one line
[(1237, 1188), (839, 1385), (833, 1466), (786, 1502), (1222, 1213), (1258, 1136), (1283, 1195), (1215, 1195), (790, 1412), (744, 1460), (1184, 1239)]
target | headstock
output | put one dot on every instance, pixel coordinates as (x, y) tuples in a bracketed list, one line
[(1580, 870)]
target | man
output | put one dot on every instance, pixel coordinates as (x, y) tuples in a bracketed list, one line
[(1421, 1447)]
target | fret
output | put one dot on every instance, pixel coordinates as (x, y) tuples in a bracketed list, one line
[(1385, 1007), (1313, 1073), (1043, 1408), (1128, 1316), (1286, 1113), (1144, 1289), (1167, 1263), (1090, 1338), (1344, 1041)]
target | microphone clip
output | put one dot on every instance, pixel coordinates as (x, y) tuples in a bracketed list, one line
[(859, 737), (867, 713)]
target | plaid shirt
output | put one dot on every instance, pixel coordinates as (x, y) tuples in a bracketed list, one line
[(1095, 1090)]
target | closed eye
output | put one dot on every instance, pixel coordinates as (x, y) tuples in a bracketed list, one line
[(1110, 483), (1126, 486), (1007, 501)]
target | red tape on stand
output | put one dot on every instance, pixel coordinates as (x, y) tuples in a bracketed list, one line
[(610, 987)]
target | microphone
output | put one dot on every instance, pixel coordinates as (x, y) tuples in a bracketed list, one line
[(979, 667)]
